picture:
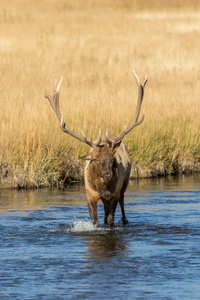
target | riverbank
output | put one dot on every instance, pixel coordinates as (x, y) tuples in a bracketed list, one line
[(74, 173)]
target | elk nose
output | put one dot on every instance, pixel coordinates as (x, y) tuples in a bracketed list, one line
[(107, 175)]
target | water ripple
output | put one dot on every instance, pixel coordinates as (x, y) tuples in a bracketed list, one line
[(49, 248)]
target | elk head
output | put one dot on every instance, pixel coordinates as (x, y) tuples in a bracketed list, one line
[(103, 162)]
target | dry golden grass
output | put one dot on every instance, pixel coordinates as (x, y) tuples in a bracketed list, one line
[(95, 45)]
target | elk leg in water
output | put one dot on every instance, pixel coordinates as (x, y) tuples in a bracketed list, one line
[(124, 220), (106, 210), (112, 207), (92, 207)]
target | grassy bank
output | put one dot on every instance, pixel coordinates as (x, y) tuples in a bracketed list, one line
[(95, 45)]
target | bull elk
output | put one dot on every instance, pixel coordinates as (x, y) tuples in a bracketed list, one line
[(108, 166)]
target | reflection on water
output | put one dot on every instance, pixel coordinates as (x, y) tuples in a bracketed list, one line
[(49, 249), (106, 245)]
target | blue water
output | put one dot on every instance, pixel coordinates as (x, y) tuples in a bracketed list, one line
[(49, 248)]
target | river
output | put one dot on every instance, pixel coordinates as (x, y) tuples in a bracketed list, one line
[(49, 248)]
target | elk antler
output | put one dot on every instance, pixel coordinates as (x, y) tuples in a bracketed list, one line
[(55, 105), (135, 121)]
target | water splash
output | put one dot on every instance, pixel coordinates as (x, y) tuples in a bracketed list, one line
[(88, 226), (79, 226), (83, 226)]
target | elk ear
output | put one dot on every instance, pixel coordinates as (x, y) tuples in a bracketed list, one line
[(87, 157)]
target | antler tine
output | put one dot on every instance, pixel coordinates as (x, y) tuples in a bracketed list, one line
[(108, 141), (145, 81), (93, 144), (58, 87), (55, 100), (135, 121), (99, 139), (140, 96), (137, 78)]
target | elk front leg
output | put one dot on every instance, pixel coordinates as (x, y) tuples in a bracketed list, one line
[(112, 207), (92, 207), (106, 210)]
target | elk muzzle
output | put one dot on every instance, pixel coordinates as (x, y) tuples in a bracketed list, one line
[(107, 175)]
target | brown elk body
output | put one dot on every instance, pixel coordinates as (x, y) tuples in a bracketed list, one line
[(108, 166), (106, 177)]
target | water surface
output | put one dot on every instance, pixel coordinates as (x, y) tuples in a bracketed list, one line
[(49, 248)]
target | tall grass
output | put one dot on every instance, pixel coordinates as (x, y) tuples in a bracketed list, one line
[(95, 45)]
